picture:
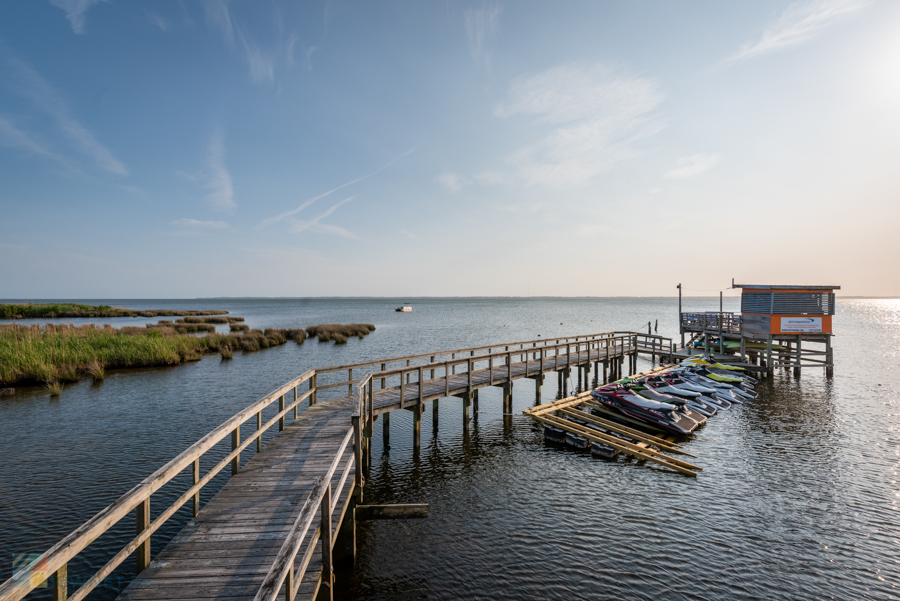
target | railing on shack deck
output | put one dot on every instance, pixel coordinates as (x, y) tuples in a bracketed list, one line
[(52, 564)]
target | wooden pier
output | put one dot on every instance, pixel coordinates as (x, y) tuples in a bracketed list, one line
[(278, 525)]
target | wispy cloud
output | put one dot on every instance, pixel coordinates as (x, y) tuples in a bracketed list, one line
[(218, 181), (310, 201), (594, 114), (263, 61), (158, 21), (693, 165), (218, 17), (481, 24), (27, 82), (799, 23), (75, 11), (307, 57), (452, 182), (195, 223), (15, 137), (316, 224)]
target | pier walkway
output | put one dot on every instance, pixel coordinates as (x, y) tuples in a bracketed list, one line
[(273, 529)]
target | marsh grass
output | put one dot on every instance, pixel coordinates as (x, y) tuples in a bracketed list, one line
[(95, 370), (54, 310), (239, 327), (339, 333), (219, 320), (56, 353), (53, 387)]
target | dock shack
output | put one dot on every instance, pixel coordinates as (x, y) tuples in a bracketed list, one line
[(778, 326)]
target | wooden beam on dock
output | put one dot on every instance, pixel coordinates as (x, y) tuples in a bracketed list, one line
[(395, 511)]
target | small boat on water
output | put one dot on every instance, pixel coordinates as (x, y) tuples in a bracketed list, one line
[(404, 309)]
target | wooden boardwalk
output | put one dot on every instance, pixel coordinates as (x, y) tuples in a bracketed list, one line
[(270, 530), (226, 551)]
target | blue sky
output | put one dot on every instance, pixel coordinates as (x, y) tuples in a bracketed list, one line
[(212, 148)]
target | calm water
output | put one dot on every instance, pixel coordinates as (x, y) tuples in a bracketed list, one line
[(798, 499)]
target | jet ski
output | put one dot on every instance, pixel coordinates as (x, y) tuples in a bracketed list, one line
[(682, 404), (661, 415), (692, 398)]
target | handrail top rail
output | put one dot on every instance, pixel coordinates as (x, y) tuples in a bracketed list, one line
[(325, 370), (464, 360), (59, 554)]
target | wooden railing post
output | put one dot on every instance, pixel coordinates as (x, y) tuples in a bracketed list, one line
[(350, 382), (382, 379), (196, 474), (312, 386), (327, 571), (295, 402), (280, 410), (289, 583), (259, 432), (491, 370), (61, 583), (357, 456), (142, 554), (235, 443)]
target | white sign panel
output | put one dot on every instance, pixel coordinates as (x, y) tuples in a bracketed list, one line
[(801, 324)]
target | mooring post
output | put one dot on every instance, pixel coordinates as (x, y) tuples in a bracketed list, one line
[(475, 403), (580, 371), (605, 366), (386, 429), (465, 408), (538, 382), (507, 398), (434, 414)]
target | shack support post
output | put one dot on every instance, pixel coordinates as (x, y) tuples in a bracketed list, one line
[(829, 358), (797, 363)]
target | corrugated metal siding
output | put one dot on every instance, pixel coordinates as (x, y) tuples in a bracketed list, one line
[(779, 303)]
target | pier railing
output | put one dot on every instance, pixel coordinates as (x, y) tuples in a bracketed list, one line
[(322, 501), (727, 323), (52, 565)]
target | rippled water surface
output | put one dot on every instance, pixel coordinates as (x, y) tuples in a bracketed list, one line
[(797, 500)]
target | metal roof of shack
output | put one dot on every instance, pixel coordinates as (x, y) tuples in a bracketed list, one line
[(780, 287)]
